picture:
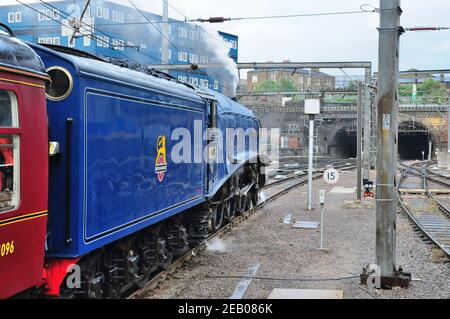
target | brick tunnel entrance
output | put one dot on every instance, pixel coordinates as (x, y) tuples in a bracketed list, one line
[(413, 139), (343, 144)]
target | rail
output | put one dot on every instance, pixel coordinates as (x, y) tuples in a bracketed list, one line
[(161, 276)]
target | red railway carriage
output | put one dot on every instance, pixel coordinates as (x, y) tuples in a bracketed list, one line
[(23, 166)]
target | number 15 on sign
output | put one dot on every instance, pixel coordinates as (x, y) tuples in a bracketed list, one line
[(331, 176)]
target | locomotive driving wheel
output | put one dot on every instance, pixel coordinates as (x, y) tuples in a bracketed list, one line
[(248, 202), (254, 196), (241, 204), (216, 219), (229, 211)]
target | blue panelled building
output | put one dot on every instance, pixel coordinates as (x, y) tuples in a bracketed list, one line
[(113, 30)]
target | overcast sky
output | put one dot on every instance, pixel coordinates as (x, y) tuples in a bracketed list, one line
[(326, 38)]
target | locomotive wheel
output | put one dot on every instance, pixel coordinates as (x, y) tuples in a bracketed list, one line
[(163, 251), (216, 217), (242, 204), (248, 202), (229, 211), (254, 196), (114, 268)]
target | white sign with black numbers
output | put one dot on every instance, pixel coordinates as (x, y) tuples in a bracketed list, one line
[(331, 176)]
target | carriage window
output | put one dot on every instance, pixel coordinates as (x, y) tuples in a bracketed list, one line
[(9, 172), (8, 109)]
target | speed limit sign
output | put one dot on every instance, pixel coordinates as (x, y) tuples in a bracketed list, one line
[(331, 176)]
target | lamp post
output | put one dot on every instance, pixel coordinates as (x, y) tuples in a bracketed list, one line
[(312, 108)]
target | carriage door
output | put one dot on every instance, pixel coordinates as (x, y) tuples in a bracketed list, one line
[(210, 155)]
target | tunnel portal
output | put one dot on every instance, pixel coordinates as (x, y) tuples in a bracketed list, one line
[(413, 138), (343, 144)]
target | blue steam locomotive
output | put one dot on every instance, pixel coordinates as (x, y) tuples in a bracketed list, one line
[(141, 167)]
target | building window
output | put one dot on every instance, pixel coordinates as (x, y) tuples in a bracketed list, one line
[(9, 152), (180, 78), (87, 41), (121, 17), (170, 54), (10, 17), (205, 83), (115, 15), (193, 58), (182, 32), (56, 41), (41, 15), (105, 13), (48, 14), (18, 16), (49, 40), (193, 81), (254, 79), (182, 56), (118, 44), (99, 12), (72, 43), (216, 85), (56, 14), (41, 40), (106, 42)]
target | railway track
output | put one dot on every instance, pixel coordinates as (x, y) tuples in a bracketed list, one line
[(427, 212), (277, 189)]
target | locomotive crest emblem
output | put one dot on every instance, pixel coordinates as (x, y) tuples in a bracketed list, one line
[(161, 159)]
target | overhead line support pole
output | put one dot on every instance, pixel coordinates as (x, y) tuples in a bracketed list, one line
[(359, 142), (387, 126)]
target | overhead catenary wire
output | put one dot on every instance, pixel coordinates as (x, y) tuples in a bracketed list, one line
[(87, 27), (187, 19), (287, 16), (150, 22), (98, 39)]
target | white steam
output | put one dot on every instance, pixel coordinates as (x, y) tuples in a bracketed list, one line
[(211, 45), (227, 72), (216, 245)]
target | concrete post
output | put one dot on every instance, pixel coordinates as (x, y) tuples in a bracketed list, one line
[(387, 126), (359, 121), (430, 147)]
